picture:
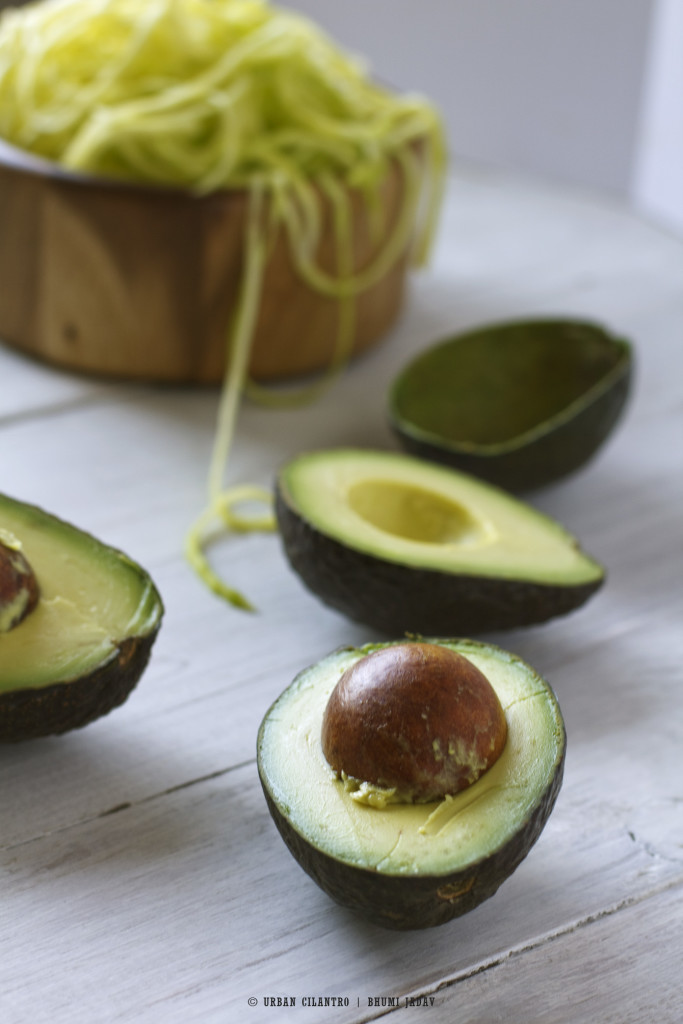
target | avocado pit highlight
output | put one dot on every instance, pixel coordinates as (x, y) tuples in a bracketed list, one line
[(412, 723), (19, 590)]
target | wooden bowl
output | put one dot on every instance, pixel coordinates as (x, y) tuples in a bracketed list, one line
[(140, 282)]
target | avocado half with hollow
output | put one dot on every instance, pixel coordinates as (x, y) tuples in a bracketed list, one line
[(406, 865), (84, 644), (520, 404), (408, 546)]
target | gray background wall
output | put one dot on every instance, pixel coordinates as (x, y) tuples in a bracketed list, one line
[(584, 91)]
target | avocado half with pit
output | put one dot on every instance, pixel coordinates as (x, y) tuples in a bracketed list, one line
[(85, 641), (412, 865), (520, 404), (408, 546)]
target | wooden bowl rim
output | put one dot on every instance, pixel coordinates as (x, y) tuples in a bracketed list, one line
[(24, 162)]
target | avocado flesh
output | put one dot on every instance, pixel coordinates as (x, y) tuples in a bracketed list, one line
[(430, 861), (402, 839), (91, 599), (405, 545), (82, 649), (404, 510)]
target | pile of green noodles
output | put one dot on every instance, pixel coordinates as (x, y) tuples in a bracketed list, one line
[(213, 94)]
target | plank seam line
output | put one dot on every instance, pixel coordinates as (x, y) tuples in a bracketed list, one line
[(55, 410), (529, 947), (127, 805)]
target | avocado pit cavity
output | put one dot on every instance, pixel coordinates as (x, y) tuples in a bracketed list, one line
[(19, 590), (415, 513), (412, 723)]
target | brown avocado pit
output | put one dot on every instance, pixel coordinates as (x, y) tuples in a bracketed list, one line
[(416, 719), (412, 865), (19, 590)]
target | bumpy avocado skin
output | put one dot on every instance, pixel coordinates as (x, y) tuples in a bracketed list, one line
[(28, 714), (52, 710), (412, 902), (399, 599)]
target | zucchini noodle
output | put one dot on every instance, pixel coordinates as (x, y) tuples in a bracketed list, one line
[(229, 94)]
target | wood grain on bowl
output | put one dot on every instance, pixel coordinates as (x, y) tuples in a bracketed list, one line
[(141, 282)]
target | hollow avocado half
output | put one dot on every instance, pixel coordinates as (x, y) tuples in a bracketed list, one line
[(520, 404), (408, 866), (405, 545), (85, 644)]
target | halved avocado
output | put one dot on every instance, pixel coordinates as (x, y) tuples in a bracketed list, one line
[(85, 644), (408, 866), (407, 546), (520, 404)]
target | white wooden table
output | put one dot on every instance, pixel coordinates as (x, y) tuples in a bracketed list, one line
[(142, 878)]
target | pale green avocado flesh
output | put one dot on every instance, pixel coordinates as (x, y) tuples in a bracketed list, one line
[(91, 599), (405, 510), (439, 838)]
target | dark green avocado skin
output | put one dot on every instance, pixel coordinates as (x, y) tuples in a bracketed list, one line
[(52, 710), (558, 445), (399, 599), (408, 902), (547, 458)]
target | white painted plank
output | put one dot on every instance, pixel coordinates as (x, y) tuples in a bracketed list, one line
[(192, 874), (582, 975), (27, 386), (185, 906)]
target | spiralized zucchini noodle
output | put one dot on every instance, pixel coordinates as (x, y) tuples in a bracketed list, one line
[(228, 94)]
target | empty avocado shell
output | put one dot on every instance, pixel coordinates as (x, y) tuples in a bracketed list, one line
[(519, 404), (87, 636)]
